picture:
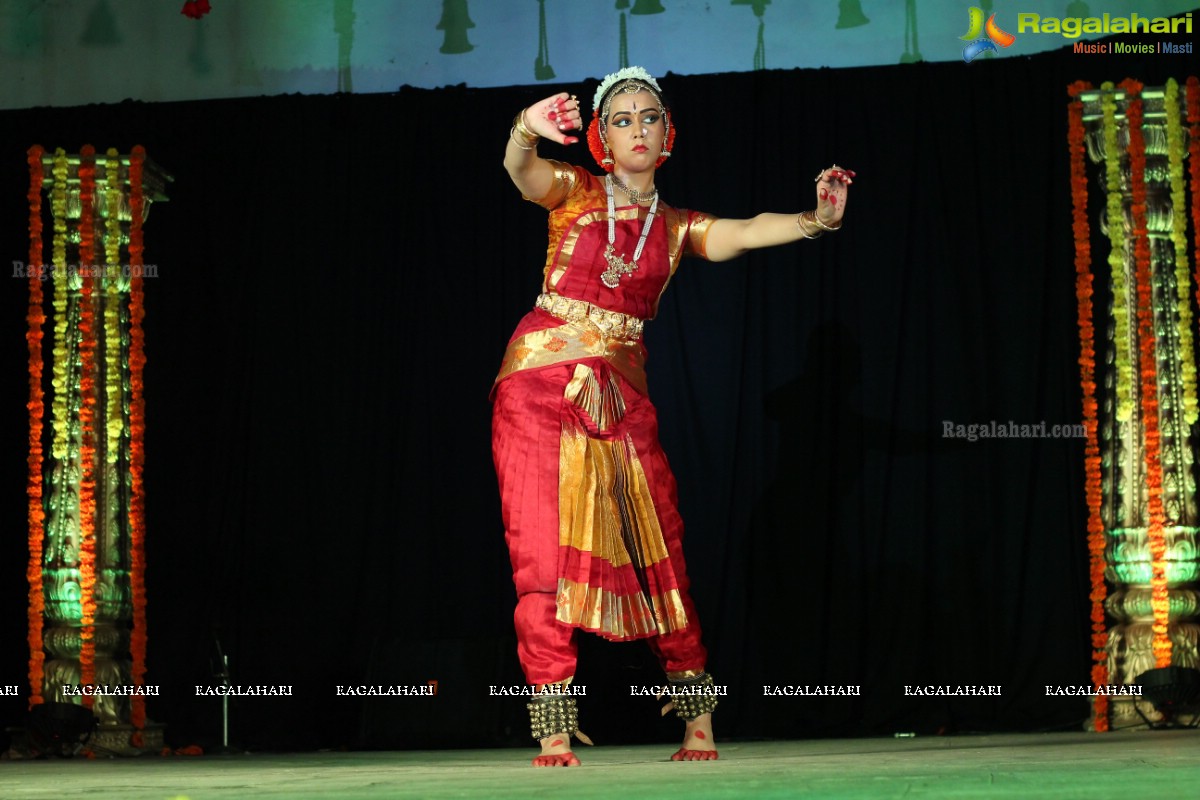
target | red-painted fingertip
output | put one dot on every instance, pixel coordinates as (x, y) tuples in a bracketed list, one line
[(570, 140)]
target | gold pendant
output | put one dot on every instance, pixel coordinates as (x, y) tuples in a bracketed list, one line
[(617, 267)]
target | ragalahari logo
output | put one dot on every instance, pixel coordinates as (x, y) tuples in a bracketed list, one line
[(981, 37)]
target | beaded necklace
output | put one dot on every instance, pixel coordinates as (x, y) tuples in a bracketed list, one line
[(617, 265)]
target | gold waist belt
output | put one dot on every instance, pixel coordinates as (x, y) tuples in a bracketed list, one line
[(611, 324)]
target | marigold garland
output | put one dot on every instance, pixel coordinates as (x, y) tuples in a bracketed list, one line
[(1191, 409), (87, 415), (137, 432), (36, 513), (115, 424), (1116, 256), (61, 353), (1087, 370), (1193, 118), (1159, 600), (76, 331)]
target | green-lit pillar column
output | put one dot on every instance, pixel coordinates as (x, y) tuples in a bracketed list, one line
[(1125, 510)]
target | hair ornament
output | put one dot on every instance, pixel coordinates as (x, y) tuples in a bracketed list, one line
[(628, 73)]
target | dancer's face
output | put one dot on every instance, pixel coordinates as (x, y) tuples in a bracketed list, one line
[(635, 131)]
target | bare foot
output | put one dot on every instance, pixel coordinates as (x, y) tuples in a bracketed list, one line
[(556, 752), (698, 744)]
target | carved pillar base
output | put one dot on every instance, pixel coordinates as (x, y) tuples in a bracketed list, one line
[(1130, 648), (122, 740), (1131, 653), (1124, 715), (62, 672)]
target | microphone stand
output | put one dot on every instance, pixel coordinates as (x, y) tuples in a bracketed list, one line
[(221, 673)]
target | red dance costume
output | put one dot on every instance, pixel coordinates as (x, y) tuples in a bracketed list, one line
[(589, 501)]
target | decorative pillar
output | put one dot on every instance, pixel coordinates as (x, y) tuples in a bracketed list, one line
[(86, 499), (1141, 402)]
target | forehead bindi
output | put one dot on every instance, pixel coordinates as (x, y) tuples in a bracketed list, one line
[(632, 103)]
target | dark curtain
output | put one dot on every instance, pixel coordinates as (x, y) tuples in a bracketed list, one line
[(337, 278)]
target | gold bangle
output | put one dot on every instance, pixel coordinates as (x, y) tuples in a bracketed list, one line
[(512, 131), (817, 221), (530, 138), (802, 218)]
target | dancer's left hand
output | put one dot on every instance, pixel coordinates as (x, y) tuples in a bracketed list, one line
[(833, 186)]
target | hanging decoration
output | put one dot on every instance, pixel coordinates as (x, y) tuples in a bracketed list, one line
[(137, 431), (1183, 278), (641, 8), (100, 30), (87, 416), (455, 23), (850, 14), (114, 424), (1087, 371), (760, 52), (62, 347), (542, 70), (623, 47), (343, 26), (912, 50), (36, 518), (1193, 120), (1116, 258)]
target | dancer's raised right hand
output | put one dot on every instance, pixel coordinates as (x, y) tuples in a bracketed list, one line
[(555, 118)]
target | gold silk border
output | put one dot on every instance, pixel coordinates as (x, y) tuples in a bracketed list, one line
[(606, 515), (568, 343), (603, 405), (576, 199), (680, 239), (562, 259), (616, 617), (602, 496)]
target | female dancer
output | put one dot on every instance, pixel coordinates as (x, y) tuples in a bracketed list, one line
[(588, 499)]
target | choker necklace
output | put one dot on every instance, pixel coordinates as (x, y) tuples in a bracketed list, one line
[(617, 265), (634, 194)]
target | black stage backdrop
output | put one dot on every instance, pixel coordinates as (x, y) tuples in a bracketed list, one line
[(337, 278)]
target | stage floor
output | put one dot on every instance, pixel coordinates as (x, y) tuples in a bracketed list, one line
[(1161, 764)]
